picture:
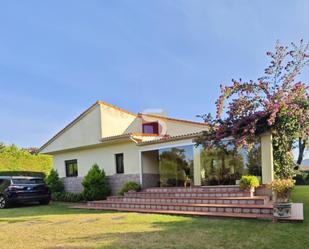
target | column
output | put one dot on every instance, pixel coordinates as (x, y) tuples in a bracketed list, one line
[(197, 166), (267, 158)]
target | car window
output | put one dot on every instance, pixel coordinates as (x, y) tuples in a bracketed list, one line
[(27, 181)]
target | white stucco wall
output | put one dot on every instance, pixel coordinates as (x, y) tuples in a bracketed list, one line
[(175, 128), (86, 131), (116, 122), (104, 156)]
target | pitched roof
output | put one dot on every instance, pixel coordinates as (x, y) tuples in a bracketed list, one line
[(170, 138), (158, 138), (172, 119), (99, 102)]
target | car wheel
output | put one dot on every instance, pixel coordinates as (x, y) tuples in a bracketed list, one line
[(3, 202), (44, 202)]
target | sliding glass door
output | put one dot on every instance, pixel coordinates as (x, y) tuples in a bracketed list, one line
[(176, 166)]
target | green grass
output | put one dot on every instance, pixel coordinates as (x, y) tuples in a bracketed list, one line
[(57, 226)]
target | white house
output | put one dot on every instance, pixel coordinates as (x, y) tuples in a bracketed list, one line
[(133, 147)]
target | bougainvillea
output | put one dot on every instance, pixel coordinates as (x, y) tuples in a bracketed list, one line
[(276, 102)]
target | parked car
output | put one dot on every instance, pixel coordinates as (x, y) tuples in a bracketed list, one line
[(22, 189)]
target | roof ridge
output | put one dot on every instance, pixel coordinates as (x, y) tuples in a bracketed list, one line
[(100, 102), (173, 119)]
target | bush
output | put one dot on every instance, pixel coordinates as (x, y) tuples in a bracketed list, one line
[(95, 184), (282, 186), (67, 197), (302, 178), (247, 182), (129, 186), (13, 159), (54, 182)]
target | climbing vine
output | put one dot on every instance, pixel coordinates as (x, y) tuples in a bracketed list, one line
[(277, 102)]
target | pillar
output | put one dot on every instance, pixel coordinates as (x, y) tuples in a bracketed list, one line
[(267, 158), (197, 166)]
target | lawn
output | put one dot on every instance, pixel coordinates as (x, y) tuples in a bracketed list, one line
[(57, 226)]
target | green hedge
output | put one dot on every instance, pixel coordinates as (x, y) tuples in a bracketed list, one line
[(14, 159), (302, 178)]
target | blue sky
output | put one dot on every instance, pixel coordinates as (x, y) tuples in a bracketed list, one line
[(59, 57)]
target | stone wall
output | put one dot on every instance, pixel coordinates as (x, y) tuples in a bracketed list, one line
[(263, 190), (151, 180), (73, 184), (116, 181)]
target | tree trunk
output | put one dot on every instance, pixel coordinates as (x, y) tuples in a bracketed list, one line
[(302, 146)]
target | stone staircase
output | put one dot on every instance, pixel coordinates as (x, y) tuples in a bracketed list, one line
[(220, 201)]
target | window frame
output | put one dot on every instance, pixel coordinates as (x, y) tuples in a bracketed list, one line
[(155, 127), (67, 164), (121, 171)]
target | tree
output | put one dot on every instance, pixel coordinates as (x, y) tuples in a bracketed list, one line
[(276, 102), (254, 161), (174, 168), (95, 184), (54, 182), (2, 146)]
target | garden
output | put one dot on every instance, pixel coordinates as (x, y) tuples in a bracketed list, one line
[(59, 226)]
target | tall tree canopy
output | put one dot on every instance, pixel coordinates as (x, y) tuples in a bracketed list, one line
[(277, 102)]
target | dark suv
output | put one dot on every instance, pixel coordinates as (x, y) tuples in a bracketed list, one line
[(21, 189)]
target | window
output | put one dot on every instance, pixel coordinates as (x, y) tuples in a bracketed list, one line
[(27, 181), (151, 128), (71, 168), (119, 163)]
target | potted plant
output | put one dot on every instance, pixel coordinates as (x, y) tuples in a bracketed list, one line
[(249, 183), (281, 197)]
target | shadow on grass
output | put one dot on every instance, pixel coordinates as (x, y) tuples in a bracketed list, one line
[(54, 208), (202, 232)]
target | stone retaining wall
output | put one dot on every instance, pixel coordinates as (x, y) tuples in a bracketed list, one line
[(151, 180), (74, 184), (116, 181)]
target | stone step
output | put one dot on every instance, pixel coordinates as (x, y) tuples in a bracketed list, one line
[(222, 188), (190, 194), (186, 207), (208, 214), (256, 200)]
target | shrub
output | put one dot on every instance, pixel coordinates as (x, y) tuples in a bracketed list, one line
[(247, 182), (302, 178), (67, 197), (13, 159), (282, 187), (95, 184), (129, 186), (54, 182)]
